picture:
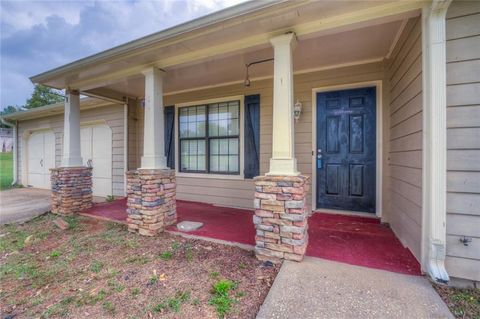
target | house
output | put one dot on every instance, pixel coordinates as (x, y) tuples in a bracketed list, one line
[(6, 139), (370, 107)]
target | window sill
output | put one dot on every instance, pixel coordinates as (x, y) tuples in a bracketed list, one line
[(211, 176)]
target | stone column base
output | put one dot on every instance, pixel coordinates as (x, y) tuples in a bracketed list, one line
[(151, 200), (281, 217), (71, 189)]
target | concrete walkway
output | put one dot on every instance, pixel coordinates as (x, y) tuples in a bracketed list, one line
[(19, 205), (318, 288)]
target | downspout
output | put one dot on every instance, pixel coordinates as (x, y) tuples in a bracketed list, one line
[(125, 144), (14, 126), (434, 165)]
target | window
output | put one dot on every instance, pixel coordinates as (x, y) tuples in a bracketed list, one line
[(209, 137)]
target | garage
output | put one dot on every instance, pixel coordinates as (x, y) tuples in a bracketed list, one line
[(41, 158), (96, 148)]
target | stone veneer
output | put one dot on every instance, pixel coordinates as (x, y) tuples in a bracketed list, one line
[(71, 189), (151, 200), (280, 218)]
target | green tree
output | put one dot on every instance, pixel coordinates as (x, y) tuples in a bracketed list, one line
[(9, 109), (43, 95)]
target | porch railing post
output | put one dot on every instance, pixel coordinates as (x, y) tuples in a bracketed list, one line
[(281, 212), (71, 135), (153, 141), (151, 189), (72, 182), (283, 160)]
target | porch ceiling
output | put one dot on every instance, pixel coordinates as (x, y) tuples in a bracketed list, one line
[(371, 43), (243, 28), (235, 36)]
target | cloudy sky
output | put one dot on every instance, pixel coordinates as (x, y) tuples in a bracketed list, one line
[(39, 35)]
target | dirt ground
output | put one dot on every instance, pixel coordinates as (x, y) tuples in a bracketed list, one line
[(463, 303), (97, 269)]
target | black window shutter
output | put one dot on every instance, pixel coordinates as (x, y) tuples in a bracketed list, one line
[(169, 112), (252, 136)]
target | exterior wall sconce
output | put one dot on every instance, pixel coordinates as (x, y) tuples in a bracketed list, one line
[(297, 109)]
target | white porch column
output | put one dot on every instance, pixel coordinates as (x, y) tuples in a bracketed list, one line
[(434, 140), (153, 134), (283, 161), (71, 131)]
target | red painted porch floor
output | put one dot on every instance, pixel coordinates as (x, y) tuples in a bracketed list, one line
[(353, 240)]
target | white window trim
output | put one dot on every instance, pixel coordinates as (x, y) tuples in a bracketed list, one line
[(240, 176)]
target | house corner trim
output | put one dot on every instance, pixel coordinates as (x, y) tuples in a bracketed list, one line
[(434, 140)]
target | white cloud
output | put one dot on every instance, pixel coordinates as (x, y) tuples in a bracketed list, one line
[(40, 35)]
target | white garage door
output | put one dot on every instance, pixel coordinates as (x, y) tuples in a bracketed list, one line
[(97, 153), (41, 157)]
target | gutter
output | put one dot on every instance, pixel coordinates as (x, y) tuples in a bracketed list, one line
[(15, 148)]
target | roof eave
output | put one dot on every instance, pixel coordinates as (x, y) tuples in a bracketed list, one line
[(42, 110), (202, 22)]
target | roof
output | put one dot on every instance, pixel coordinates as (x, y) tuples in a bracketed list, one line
[(243, 31), (204, 21), (54, 109)]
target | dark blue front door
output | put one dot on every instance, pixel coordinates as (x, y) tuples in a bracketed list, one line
[(346, 152)]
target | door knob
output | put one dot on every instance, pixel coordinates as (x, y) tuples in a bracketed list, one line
[(41, 162)]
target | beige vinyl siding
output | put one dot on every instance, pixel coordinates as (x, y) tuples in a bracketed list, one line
[(239, 193), (133, 135), (113, 117), (304, 85), (219, 191), (404, 73), (463, 139)]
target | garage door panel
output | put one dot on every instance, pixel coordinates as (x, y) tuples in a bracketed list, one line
[(34, 166), (97, 146), (36, 180), (86, 144), (35, 153), (41, 158), (102, 187), (102, 168), (49, 154)]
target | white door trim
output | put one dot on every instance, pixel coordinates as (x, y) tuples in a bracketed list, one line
[(379, 137)]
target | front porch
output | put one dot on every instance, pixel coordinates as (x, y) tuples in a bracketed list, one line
[(354, 240), (330, 117)]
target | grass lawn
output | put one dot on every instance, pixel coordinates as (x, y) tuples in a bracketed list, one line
[(6, 169), (463, 303), (98, 269)]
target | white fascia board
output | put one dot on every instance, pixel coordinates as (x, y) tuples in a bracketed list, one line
[(53, 109)]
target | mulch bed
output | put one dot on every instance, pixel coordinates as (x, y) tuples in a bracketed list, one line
[(462, 302), (97, 269)]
